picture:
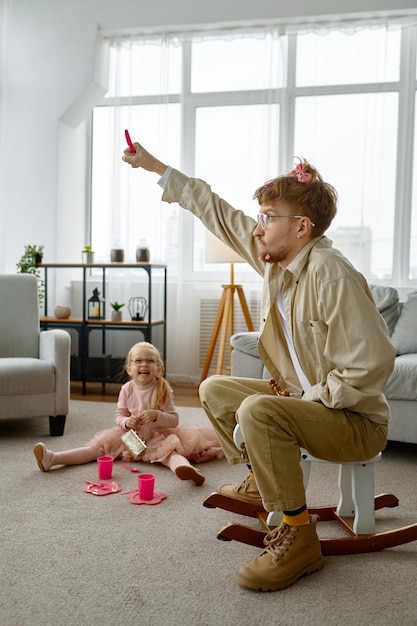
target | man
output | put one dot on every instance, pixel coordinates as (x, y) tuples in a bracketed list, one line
[(321, 338)]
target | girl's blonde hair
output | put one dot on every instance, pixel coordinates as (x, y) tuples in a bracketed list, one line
[(163, 390), (304, 192)]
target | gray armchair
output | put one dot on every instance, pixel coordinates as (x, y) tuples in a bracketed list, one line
[(34, 365)]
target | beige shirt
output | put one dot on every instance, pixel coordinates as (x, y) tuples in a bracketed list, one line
[(340, 338)]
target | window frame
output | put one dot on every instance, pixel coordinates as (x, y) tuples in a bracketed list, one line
[(286, 96)]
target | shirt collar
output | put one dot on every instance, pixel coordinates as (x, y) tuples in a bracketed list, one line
[(297, 264)]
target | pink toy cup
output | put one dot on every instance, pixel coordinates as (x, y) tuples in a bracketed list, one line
[(146, 484), (105, 467)]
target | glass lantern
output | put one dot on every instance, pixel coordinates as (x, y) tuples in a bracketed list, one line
[(96, 306)]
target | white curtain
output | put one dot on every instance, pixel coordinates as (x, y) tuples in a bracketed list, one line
[(234, 108)]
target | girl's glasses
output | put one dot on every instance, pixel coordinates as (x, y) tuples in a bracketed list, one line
[(143, 362)]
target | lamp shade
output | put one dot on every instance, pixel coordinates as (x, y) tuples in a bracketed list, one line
[(218, 252)]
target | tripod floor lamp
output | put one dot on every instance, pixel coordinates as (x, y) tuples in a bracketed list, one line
[(218, 252)]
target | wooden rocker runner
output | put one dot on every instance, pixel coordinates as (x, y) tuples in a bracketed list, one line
[(355, 512)]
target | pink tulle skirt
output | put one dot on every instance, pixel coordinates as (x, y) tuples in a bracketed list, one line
[(196, 443)]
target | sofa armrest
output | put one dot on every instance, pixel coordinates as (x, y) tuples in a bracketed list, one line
[(245, 365), (246, 342), (246, 362), (55, 348)]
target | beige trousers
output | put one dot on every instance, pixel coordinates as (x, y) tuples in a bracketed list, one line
[(274, 429)]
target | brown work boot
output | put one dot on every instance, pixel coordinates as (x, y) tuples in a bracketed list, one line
[(290, 553), (246, 491)]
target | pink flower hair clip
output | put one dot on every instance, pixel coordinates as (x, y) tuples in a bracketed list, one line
[(302, 175)]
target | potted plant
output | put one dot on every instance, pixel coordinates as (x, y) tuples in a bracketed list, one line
[(31, 257), (87, 255), (116, 314)]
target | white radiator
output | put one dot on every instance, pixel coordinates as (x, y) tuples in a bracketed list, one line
[(208, 312)]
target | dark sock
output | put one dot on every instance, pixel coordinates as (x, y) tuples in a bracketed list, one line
[(298, 517), (296, 511)]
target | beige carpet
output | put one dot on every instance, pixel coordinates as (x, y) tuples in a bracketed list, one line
[(68, 557)]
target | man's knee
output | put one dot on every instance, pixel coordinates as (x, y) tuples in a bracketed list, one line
[(210, 386), (248, 408), (255, 402), (260, 408)]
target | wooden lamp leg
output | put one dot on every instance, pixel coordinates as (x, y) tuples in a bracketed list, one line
[(224, 321)]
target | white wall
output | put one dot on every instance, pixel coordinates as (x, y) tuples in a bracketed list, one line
[(48, 63)]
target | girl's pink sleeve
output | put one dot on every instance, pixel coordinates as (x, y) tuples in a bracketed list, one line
[(122, 412), (167, 415)]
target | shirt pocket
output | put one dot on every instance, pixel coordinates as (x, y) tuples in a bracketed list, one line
[(313, 340)]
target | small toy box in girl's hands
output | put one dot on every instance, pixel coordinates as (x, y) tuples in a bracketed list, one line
[(134, 444)]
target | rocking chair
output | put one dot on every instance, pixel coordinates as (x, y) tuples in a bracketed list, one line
[(355, 511)]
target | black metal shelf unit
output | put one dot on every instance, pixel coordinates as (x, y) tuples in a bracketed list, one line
[(104, 368)]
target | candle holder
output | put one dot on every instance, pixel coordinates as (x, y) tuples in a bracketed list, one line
[(138, 307)]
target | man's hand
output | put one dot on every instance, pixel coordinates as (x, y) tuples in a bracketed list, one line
[(143, 158)]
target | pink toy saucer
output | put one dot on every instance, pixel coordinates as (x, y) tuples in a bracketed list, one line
[(158, 496), (102, 489)]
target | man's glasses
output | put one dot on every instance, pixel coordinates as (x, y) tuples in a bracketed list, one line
[(143, 362), (263, 219)]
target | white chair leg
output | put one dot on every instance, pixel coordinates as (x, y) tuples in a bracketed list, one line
[(356, 498), (363, 497), (345, 506)]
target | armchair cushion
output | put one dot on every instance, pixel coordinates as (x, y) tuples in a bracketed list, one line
[(402, 384), (26, 376)]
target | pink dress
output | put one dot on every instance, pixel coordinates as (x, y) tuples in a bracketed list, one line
[(162, 437)]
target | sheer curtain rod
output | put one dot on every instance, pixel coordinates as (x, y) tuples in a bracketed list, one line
[(392, 19)]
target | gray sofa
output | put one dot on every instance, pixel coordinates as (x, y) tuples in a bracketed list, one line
[(401, 390)]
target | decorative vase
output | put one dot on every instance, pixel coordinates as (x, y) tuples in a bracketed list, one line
[(116, 316), (142, 252), (62, 312), (117, 253), (88, 258)]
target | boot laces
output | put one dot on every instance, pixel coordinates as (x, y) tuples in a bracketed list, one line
[(244, 486), (280, 540)]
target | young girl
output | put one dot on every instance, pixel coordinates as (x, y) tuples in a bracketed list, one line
[(146, 405)]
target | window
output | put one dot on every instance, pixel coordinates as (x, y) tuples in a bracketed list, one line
[(364, 178), (235, 107)]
